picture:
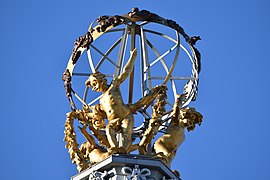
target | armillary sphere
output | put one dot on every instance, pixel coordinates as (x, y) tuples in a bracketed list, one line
[(166, 56)]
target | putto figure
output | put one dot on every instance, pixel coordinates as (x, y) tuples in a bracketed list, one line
[(113, 107), (166, 146)]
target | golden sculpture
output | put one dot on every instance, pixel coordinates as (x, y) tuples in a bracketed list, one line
[(119, 115), (89, 152), (108, 127), (92, 151), (75, 153), (157, 112), (113, 108), (166, 146)]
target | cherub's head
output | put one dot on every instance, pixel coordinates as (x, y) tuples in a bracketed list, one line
[(97, 81), (189, 117)]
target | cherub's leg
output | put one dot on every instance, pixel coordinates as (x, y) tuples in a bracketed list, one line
[(111, 136), (161, 150), (150, 132), (127, 129), (98, 155), (160, 147)]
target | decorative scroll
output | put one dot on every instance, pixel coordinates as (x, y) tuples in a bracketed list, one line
[(136, 173), (97, 175)]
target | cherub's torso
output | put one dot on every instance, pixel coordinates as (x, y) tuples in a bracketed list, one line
[(112, 103)]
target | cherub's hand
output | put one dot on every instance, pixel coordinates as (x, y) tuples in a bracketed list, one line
[(178, 96), (87, 83), (134, 52), (159, 89), (79, 115), (86, 108)]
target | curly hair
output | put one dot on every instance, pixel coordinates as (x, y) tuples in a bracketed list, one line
[(98, 76), (189, 117)]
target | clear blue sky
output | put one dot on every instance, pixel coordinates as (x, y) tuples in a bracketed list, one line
[(37, 39)]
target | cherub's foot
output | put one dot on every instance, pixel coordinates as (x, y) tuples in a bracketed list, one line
[(161, 157), (177, 173), (122, 150), (142, 150), (113, 150), (117, 150)]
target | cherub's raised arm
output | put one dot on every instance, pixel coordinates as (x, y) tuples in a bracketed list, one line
[(87, 136), (176, 106), (128, 67), (87, 110)]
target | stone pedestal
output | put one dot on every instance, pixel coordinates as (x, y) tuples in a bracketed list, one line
[(127, 167)]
